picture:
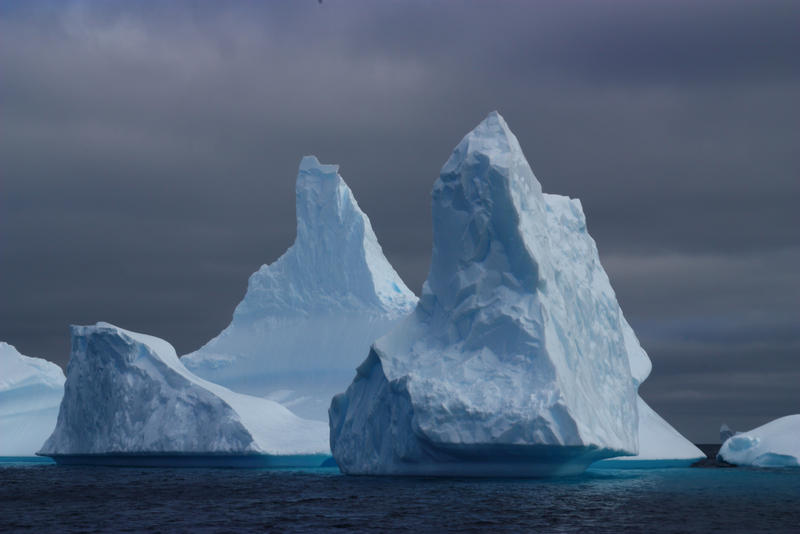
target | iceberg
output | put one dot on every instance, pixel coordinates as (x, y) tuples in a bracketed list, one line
[(129, 400), (309, 318), (30, 392), (515, 360), (725, 432), (775, 444)]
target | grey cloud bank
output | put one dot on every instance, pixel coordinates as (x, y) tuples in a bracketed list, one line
[(148, 154)]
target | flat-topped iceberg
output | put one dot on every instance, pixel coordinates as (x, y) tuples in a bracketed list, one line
[(309, 318), (515, 360), (775, 444), (128, 394), (30, 392)]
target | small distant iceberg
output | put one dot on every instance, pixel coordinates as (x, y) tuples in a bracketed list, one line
[(725, 432), (775, 444), (308, 319), (128, 400), (515, 361), (30, 393)]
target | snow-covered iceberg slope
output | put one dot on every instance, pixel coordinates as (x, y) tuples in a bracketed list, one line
[(775, 444), (515, 360), (660, 445), (30, 392), (309, 318), (129, 394)]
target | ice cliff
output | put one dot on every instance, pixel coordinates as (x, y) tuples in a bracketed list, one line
[(775, 444), (309, 318), (516, 359), (128, 393), (660, 445), (30, 392)]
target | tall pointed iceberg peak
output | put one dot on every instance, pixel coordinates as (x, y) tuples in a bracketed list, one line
[(308, 318), (335, 263), (129, 394), (515, 360), (30, 392)]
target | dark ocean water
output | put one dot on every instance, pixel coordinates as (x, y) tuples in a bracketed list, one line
[(40, 497)]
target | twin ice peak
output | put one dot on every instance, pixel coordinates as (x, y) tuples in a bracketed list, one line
[(513, 270)]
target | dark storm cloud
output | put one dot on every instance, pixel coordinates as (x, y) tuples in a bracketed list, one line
[(148, 153)]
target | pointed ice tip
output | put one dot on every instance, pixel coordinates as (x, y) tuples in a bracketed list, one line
[(494, 115), (492, 138), (489, 132), (494, 123), (311, 163)]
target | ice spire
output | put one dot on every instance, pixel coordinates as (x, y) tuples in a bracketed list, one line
[(310, 316), (515, 361)]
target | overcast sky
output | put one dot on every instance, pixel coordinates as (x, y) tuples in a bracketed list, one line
[(148, 153)]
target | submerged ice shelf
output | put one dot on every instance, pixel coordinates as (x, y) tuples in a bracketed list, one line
[(227, 460), (515, 360), (309, 318), (30, 393), (127, 395)]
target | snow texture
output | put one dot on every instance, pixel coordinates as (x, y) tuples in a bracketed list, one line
[(129, 393), (309, 318), (775, 444), (516, 359), (30, 392)]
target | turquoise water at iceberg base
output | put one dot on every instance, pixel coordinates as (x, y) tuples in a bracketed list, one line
[(38, 496)]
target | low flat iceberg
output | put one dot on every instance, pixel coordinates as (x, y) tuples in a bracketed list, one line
[(30, 393), (309, 318), (128, 400), (515, 360), (775, 444)]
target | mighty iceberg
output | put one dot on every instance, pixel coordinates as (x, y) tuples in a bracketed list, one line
[(309, 318), (127, 395), (775, 444), (515, 360), (30, 393)]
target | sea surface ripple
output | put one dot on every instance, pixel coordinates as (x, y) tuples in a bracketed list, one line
[(41, 497)]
